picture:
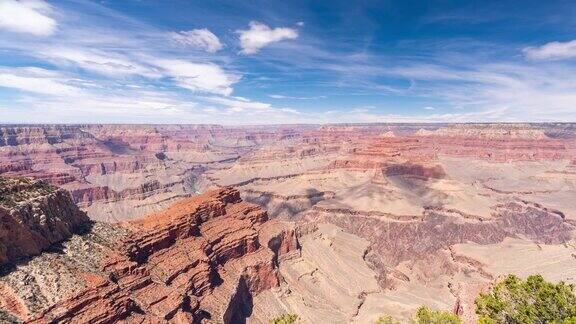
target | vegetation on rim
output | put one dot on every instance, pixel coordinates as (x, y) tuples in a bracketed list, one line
[(511, 301), (533, 300), (284, 319), (16, 190)]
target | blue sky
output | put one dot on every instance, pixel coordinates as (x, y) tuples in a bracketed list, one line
[(263, 62)]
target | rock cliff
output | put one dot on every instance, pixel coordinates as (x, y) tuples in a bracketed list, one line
[(120, 172), (200, 260), (429, 202), (33, 216)]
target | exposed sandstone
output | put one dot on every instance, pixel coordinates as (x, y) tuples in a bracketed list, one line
[(33, 216), (414, 197), (199, 260), (119, 172)]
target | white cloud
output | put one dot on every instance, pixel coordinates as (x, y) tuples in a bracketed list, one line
[(36, 80), (204, 77), (240, 104), (26, 16), (101, 62), (277, 96), (259, 35), (129, 105), (498, 91), (249, 108), (290, 110), (552, 51), (108, 61), (198, 38), (106, 105), (429, 108)]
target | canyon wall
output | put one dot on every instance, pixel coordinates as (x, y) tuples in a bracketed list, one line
[(118, 172), (201, 259), (33, 216), (420, 206)]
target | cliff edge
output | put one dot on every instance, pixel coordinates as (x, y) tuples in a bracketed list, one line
[(200, 260)]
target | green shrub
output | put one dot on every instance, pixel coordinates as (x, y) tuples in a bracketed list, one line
[(425, 315), (284, 319), (386, 319), (533, 300), (16, 190)]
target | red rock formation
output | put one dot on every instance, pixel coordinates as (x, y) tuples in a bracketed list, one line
[(107, 163), (34, 216), (208, 255), (83, 157), (201, 258)]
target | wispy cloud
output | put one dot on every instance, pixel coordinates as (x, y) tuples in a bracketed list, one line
[(514, 90), (277, 96), (198, 38), (240, 104), (77, 57), (93, 72), (205, 77), (98, 61), (37, 80), (131, 52), (259, 35), (27, 16), (552, 51)]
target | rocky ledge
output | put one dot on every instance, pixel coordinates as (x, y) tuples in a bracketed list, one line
[(200, 260), (33, 216)]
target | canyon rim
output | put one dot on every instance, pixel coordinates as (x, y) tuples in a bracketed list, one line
[(288, 162), (335, 223)]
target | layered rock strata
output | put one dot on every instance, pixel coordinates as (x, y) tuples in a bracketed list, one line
[(200, 260), (430, 202), (120, 172), (33, 216)]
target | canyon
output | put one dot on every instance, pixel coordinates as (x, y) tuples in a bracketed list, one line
[(201, 258), (336, 223)]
